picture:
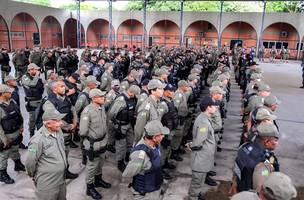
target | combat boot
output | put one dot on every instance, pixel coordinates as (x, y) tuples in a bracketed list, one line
[(99, 182), (19, 166), (175, 156), (92, 192), (121, 165), (70, 175), (4, 177), (210, 181)]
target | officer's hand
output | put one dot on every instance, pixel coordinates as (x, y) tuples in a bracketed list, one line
[(21, 130), (70, 92), (73, 126), (188, 146), (7, 142)]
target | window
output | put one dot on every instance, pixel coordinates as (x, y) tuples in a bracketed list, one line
[(17, 34), (209, 26), (266, 45), (278, 45), (301, 46), (285, 44), (271, 44)]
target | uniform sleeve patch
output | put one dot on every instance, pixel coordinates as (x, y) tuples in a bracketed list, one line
[(147, 107), (143, 114), (203, 130), (85, 118), (141, 154), (265, 172), (32, 149)]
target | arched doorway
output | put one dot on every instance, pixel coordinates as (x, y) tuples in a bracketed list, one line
[(164, 32), (51, 32), (24, 31), (239, 32), (70, 33), (201, 33), (130, 32), (4, 34), (281, 35), (98, 33)]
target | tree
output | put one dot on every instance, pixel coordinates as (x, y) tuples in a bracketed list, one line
[(83, 6), (286, 6), (38, 2)]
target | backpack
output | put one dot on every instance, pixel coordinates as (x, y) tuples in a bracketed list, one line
[(39, 112)]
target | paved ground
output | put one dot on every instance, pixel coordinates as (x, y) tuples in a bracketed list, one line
[(284, 80)]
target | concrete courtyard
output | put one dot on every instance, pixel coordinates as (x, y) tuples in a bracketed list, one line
[(284, 80)]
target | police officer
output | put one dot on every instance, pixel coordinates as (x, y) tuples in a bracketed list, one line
[(93, 128), (145, 165), (20, 61), (302, 65), (181, 103), (112, 94), (11, 128), (122, 117), (49, 63), (46, 160), (203, 147), (251, 154), (58, 100), (10, 81), (149, 108), (4, 63), (36, 56), (107, 77), (245, 195), (33, 88)]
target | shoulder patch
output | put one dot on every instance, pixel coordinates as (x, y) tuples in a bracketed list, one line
[(121, 98), (147, 107), (203, 130), (141, 154), (180, 95), (265, 172), (85, 118), (32, 149)]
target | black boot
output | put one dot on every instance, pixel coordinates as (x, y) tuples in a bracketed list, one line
[(92, 192), (175, 156), (181, 151), (111, 148), (76, 137), (19, 166), (32, 132), (210, 181), (22, 146), (4, 177), (168, 165), (166, 175), (121, 165), (70, 175), (84, 159), (211, 173), (101, 183)]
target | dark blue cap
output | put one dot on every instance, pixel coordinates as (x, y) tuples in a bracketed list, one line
[(145, 82), (76, 77), (207, 101), (170, 87)]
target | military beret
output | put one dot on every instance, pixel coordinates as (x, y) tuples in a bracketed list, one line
[(32, 66), (279, 186), (4, 88), (155, 83), (155, 127), (245, 196), (268, 130), (97, 92)]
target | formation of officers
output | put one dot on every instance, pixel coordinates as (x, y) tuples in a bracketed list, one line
[(146, 108)]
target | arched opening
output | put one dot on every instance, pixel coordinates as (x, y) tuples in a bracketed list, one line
[(130, 33), (4, 34), (24, 31), (164, 32), (51, 32), (70, 33), (201, 33), (240, 33), (281, 35), (98, 33)]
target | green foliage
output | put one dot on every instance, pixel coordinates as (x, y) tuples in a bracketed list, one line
[(83, 6), (289, 6), (38, 2)]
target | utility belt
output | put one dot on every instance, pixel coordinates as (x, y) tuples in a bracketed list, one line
[(17, 141), (196, 148), (217, 132), (91, 153)]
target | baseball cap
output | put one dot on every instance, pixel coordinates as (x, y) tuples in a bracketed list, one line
[(52, 114), (170, 88), (216, 89), (32, 66), (222, 77), (192, 77), (155, 127), (9, 77), (263, 113), (96, 92), (76, 77), (115, 82), (279, 186), (263, 87), (182, 83), (245, 196), (134, 89), (155, 83), (271, 100), (207, 101), (4, 88), (92, 79), (268, 130)]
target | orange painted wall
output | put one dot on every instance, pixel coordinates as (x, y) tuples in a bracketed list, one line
[(97, 33), (4, 39), (22, 28), (70, 33), (200, 33), (239, 31), (51, 33), (130, 32), (273, 33), (166, 33)]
